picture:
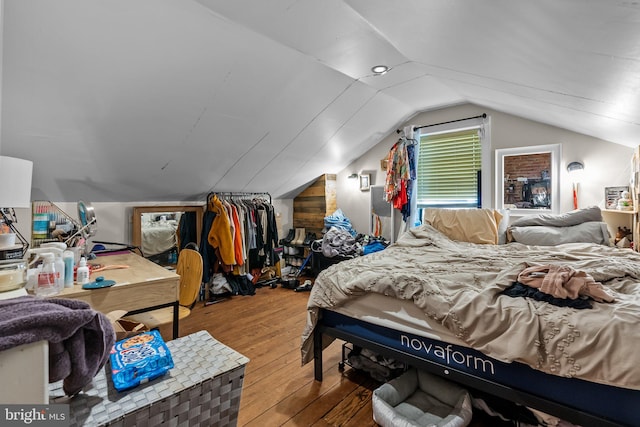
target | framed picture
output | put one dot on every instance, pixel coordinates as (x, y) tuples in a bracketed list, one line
[(611, 196), (365, 182)]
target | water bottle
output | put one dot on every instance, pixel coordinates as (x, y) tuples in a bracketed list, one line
[(46, 285), (60, 270)]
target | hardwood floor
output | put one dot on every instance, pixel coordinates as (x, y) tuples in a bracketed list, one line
[(277, 390)]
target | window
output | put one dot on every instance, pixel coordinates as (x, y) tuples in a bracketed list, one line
[(448, 170)]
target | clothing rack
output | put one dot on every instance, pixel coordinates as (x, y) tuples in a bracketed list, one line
[(244, 227), (482, 116), (240, 194)]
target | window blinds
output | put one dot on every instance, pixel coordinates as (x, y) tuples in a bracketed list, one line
[(447, 172)]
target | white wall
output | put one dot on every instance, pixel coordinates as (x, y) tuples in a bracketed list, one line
[(114, 220), (606, 164)]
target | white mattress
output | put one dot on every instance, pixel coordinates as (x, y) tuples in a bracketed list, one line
[(401, 315)]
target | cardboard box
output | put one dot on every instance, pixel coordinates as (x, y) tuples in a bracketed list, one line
[(123, 327)]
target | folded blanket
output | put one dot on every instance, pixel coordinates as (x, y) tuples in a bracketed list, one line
[(79, 337), (562, 281)]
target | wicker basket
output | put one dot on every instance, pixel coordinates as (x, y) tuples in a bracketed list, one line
[(203, 389)]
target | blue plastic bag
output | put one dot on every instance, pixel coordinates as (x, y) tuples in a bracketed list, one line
[(138, 359)]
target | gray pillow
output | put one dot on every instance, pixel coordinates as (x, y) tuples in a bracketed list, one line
[(588, 232), (575, 217)]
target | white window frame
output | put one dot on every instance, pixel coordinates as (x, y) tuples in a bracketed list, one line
[(486, 186)]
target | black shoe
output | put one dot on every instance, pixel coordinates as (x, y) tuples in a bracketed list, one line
[(290, 236), (307, 239), (304, 287)]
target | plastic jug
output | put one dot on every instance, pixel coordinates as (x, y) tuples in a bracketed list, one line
[(54, 248), (46, 284)]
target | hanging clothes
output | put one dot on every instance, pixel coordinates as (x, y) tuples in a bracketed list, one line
[(220, 236), (187, 230), (238, 230), (400, 175), (209, 258), (405, 209)]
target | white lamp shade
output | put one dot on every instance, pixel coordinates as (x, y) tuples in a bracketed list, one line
[(15, 182)]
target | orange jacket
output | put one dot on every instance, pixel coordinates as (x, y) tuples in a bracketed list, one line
[(220, 234)]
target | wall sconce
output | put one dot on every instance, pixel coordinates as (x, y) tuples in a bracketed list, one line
[(353, 176), (576, 170)]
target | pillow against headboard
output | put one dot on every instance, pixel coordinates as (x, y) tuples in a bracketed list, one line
[(575, 217), (542, 235), (466, 225)]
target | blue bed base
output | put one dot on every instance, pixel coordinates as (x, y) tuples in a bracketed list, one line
[(578, 401)]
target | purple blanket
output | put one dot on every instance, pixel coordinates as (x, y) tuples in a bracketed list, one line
[(79, 337)]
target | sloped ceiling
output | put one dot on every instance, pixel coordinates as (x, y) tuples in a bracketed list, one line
[(139, 100)]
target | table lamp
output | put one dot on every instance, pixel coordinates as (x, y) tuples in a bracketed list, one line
[(15, 192)]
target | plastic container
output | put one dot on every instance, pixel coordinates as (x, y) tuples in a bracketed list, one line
[(82, 273), (57, 249), (46, 285), (68, 258), (7, 240), (32, 278), (13, 274), (60, 269)]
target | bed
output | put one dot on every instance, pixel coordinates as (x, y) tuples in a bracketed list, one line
[(438, 304), (158, 232)]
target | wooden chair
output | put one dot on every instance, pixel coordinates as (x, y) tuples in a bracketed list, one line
[(189, 269)]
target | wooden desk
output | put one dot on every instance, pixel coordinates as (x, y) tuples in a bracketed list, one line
[(144, 286)]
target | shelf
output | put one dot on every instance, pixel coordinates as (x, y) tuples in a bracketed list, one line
[(620, 212)]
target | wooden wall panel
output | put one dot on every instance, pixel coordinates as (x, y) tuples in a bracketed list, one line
[(314, 203)]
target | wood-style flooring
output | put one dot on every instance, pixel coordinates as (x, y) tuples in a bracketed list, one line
[(278, 391)]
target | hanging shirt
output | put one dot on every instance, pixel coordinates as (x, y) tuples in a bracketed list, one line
[(237, 241), (398, 169), (220, 234)]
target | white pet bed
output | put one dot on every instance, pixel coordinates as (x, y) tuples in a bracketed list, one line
[(420, 399)]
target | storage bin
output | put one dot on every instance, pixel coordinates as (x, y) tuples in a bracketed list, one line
[(320, 262), (203, 389)]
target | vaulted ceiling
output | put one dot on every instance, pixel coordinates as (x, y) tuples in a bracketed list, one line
[(138, 100)]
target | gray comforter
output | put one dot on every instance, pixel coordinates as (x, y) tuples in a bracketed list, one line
[(460, 284)]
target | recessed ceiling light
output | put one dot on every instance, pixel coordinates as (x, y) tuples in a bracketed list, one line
[(380, 69)]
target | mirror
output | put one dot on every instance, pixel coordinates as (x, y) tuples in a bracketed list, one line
[(527, 179), (157, 230), (87, 218), (88, 226)]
